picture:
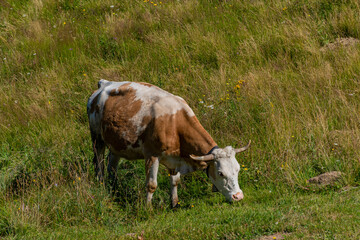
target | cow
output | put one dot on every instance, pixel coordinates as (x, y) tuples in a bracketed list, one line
[(138, 120)]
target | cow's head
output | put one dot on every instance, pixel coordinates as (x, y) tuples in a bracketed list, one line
[(223, 171)]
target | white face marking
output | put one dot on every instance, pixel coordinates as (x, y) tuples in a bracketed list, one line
[(226, 172)]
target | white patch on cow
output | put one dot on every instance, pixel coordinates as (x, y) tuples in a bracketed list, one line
[(156, 103), (225, 162)]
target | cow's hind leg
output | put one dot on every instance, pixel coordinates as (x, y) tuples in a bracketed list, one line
[(151, 166), (113, 161), (174, 181), (98, 160)]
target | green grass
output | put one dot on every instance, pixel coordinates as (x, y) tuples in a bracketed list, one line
[(327, 215), (273, 71)]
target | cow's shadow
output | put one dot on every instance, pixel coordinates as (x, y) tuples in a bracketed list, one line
[(128, 190)]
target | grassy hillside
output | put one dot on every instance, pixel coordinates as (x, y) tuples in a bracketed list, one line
[(285, 74)]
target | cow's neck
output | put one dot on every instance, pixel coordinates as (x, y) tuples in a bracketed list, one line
[(195, 139)]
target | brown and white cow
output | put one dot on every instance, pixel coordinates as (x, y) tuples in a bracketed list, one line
[(139, 120)]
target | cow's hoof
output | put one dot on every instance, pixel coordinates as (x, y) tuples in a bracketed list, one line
[(175, 206)]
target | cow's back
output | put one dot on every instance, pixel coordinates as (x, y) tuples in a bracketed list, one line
[(122, 112)]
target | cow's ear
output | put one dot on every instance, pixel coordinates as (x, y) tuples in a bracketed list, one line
[(214, 188)]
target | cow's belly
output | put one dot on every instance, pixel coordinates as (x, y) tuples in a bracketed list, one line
[(130, 152), (177, 163)]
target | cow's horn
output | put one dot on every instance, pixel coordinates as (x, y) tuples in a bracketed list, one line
[(203, 158), (238, 150)]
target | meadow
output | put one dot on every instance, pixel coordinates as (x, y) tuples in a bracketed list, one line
[(285, 74)]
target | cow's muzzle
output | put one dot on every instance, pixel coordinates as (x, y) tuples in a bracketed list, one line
[(238, 196)]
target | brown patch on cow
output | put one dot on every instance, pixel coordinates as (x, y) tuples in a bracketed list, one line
[(178, 135), (118, 129), (194, 139)]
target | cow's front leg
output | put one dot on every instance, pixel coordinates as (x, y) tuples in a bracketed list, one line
[(152, 166), (174, 181)]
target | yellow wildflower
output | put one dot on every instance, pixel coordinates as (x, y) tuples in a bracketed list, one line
[(245, 169)]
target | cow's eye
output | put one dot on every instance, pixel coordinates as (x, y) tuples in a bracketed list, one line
[(221, 174)]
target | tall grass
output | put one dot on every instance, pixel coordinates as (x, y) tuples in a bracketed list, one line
[(274, 72)]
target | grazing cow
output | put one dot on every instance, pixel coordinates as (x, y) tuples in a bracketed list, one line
[(139, 120)]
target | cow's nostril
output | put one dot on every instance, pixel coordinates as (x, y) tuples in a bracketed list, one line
[(238, 196)]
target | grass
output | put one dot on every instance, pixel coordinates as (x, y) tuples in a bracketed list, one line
[(269, 71)]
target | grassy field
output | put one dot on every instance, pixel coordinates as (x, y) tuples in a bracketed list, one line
[(285, 74)]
